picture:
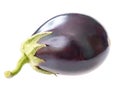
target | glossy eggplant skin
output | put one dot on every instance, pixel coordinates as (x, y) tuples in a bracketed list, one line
[(78, 44)]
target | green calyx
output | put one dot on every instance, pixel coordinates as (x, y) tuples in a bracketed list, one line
[(28, 49)]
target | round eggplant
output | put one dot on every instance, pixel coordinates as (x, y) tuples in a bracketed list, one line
[(65, 44)]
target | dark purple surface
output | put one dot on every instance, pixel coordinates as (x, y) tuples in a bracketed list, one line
[(78, 44)]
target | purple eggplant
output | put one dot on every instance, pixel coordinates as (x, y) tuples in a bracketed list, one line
[(65, 44)]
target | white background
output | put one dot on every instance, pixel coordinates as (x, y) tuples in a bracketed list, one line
[(20, 18)]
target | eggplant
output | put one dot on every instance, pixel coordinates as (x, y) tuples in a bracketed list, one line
[(68, 44)]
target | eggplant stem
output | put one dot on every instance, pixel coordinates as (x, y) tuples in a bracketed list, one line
[(28, 49), (23, 60)]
